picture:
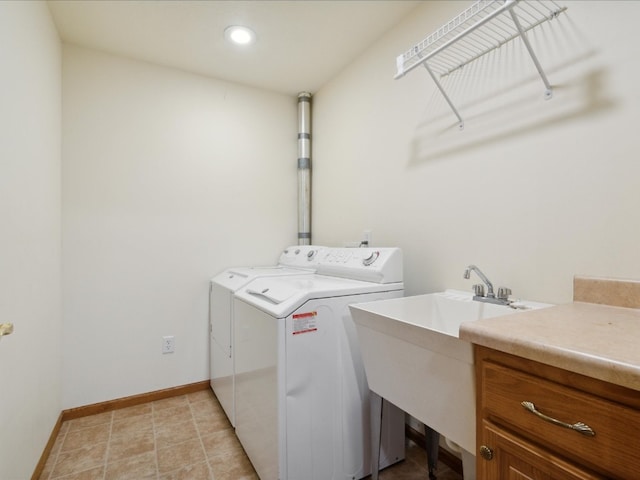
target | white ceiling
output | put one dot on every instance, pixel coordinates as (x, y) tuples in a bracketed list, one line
[(301, 44)]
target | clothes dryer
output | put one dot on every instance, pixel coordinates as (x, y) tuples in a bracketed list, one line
[(302, 398), (294, 260)]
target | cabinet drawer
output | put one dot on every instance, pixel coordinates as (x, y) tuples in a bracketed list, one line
[(613, 449)]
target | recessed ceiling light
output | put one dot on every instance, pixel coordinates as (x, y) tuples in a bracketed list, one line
[(239, 35)]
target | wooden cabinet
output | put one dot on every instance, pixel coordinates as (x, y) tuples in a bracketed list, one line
[(517, 459), (571, 426)]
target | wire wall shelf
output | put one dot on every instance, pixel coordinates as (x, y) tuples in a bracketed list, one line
[(483, 27)]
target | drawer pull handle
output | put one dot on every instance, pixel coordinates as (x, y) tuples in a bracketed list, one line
[(579, 427)]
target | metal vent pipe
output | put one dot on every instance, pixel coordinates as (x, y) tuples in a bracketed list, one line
[(304, 168)]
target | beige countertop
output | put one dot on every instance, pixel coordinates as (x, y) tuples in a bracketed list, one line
[(600, 341)]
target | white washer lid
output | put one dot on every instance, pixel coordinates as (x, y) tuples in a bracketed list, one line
[(274, 292), (280, 296)]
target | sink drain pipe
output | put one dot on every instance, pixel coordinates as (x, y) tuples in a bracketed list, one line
[(304, 168)]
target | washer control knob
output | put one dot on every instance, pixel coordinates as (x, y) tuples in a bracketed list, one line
[(371, 258)]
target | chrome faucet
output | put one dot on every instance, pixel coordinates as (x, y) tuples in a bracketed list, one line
[(490, 296)]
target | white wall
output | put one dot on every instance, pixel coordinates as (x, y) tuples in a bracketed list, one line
[(532, 191), (30, 255), (168, 178)]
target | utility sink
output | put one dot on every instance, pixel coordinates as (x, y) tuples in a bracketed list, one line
[(414, 359)]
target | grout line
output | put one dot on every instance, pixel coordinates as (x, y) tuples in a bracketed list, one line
[(106, 453), (193, 422), (61, 438), (204, 450), (155, 440)]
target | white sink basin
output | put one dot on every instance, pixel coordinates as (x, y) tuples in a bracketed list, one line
[(414, 358)]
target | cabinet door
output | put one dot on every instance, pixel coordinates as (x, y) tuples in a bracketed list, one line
[(515, 459)]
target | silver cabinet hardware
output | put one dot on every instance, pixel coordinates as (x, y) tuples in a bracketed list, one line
[(486, 452)]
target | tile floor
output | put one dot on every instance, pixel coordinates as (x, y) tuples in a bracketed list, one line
[(414, 467), (181, 438)]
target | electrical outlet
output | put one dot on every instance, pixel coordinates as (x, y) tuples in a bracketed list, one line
[(366, 238), (168, 344)]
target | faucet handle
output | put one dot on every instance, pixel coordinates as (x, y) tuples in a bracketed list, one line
[(478, 290), (503, 293)]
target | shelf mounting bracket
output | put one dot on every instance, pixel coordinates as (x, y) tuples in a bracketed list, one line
[(523, 35), (444, 94)]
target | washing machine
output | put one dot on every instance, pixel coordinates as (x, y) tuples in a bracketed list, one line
[(302, 398), (294, 260)]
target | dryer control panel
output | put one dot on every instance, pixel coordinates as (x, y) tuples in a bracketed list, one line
[(379, 265), (301, 256)]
